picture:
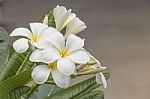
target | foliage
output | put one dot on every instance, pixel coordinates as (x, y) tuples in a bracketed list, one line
[(78, 90), (18, 92), (15, 64), (12, 83), (4, 41)]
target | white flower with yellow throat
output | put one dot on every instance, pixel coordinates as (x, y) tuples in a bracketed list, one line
[(35, 36)]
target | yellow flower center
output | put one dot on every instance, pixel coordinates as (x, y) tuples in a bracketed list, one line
[(35, 38), (53, 66), (64, 53)]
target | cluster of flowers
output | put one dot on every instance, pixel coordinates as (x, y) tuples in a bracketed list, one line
[(60, 56)]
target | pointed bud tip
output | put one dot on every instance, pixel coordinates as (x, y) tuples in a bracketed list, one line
[(104, 67)]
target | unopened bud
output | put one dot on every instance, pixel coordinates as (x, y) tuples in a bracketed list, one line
[(91, 71), (91, 62), (45, 21), (81, 66)]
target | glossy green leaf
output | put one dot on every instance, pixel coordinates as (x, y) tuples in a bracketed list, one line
[(51, 22), (56, 89), (4, 41), (77, 90), (42, 92), (93, 95), (18, 92), (16, 63), (12, 83)]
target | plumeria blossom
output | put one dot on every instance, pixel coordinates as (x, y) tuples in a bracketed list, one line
[(75, 26), (100, 78), (41, 73), (59, 55), (36, 37), (62, 17), (65, 52)]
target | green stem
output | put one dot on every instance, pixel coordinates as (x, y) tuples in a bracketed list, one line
[(33, 88)]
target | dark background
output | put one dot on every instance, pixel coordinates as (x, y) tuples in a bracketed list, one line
[(118, 34)]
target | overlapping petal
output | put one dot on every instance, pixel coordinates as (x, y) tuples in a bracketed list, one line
[(42, 43), (36, 56), (79, 56), (75, 26), (56, 39), (74, 43), (21, 45), (22, 32), (36, 28), (62, 17), (40, 74), (65, 66), (61, 79), (50, 55)]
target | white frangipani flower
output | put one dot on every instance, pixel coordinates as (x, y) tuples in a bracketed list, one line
[(36, 37), (100, 78), (62, 17), (75, 26), (41, 73), (65, 53)]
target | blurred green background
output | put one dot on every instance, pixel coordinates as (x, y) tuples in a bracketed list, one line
[(118, 34)]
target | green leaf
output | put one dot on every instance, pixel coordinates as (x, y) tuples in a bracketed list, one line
[(51, 21), (16, 63), (93, 95), (4, 41), (12, 83), (77, 90), (42, 92), (56, 89), (17, 93)]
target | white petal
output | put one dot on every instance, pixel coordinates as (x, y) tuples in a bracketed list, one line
[(50, 55), (55, 38), (60, 79), (42, 43), (48, 32), (45, 21), (21, 45), (22, 32), (36, 56), (75, 26), (36, 28), (79, 56), (66, 66), (58, 13), (62, 17), (100, 79), (74, 43), (67, 18), (40, 74)]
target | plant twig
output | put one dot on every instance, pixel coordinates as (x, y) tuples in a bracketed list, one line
[(33, 88)]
